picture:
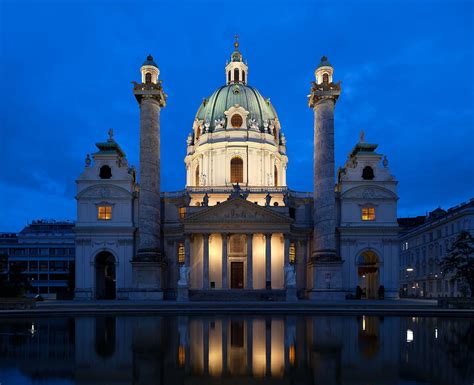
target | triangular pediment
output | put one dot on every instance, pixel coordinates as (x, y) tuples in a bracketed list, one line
[(238, 210)]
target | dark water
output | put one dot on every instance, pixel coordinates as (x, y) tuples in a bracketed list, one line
[(111, 350)]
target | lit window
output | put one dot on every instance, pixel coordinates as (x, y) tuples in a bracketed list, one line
[(104, 213), (182, 212), (181, 355), (292, 252), (181, 253), (148, 77), (196, 176), (368, 213), (236, 170)]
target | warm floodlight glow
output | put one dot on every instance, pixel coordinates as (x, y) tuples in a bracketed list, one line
[(181, 355), (410, 269), (409, 335), (363, 322)]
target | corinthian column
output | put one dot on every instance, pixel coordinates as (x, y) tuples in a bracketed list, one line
[(325, 262), (148, 261)]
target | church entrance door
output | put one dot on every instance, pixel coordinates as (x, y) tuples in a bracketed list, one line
[(105, 275), (236, 275)]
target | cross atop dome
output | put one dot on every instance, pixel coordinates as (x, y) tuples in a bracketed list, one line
[(236, 71)]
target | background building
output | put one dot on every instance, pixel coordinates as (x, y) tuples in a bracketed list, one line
[(45, 251), (423, 243)]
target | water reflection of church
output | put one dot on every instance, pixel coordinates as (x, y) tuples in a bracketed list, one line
[(225, 349)]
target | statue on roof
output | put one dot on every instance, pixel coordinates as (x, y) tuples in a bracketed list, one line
[(361, 136), (111, 135)]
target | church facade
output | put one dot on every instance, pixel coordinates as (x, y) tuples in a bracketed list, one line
[(236, 231)]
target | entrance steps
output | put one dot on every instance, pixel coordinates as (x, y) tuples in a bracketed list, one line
[(237, 295)]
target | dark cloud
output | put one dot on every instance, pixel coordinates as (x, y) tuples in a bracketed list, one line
[(66, 67)]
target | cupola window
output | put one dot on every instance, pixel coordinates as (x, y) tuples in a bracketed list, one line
[(236, 170), (236, 121), (243, 76), (228, 77), (148, 77), (236, 75), (198, 133), (325, 78), (368, 173), (105, 172)]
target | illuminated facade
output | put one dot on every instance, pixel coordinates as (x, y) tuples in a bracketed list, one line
[(236, 231)]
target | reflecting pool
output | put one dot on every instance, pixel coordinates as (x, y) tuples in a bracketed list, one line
[(218, 349)]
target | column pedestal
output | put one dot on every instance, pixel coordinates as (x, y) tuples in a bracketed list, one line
[(146, 280), (327, 281)]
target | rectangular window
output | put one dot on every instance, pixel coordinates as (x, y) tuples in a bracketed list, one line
[(181, 253), (104, 213), (182, 212), (368, 213)]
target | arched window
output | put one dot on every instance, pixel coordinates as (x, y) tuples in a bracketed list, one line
[(105, 172), (148, 77), (243, 76), (196, 176), (198, 133), (275, 135), (368, 173), (275, 175), (228, 77), (236, 75), (325, 78), (236, 170)]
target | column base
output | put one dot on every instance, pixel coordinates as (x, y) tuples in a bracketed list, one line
[(327, 279), (326, 295), (291, 294), (183, 294), (146, 279), (83, 294)]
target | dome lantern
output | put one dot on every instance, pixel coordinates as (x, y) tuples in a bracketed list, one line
[(236, 70), (150, 71), (324, 71)]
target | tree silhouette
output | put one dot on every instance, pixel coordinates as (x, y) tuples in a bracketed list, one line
[(460, 260)]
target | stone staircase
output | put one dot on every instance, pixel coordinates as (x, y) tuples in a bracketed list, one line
[(237, 295)]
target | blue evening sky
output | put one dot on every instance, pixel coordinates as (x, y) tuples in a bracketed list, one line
[(66, 66)]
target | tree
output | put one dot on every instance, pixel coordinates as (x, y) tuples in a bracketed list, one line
[(460, 260)]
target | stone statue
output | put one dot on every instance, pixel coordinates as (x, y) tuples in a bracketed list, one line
[(236, 192), (205, 200), (219, 123), (265, 126), (268, 199), (187, 198), (253, 124), (245, 194), (385, 161), (183, 276), (290, 276), (189, 140), (88, 160), (286, 199), (361, 136), (207, 125), (111, 135)]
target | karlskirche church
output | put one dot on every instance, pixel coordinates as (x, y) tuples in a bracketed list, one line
[(236, 231)]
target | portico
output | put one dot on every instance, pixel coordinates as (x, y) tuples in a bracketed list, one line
[(236, 245)]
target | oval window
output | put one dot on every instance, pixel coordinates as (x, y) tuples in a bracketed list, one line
[(236, 121)]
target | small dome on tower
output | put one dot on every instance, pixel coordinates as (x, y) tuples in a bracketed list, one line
[(149, 62), (324, 62)]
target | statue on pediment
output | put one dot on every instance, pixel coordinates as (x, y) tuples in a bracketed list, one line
[(286, 199), (236, 192), (268, 199), (205, 200), (187, 198)]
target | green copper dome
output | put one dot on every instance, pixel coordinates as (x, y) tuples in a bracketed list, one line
[(149, 62), (228, 96)]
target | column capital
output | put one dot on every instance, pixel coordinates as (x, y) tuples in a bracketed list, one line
[(324, 92), (150, 92)]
